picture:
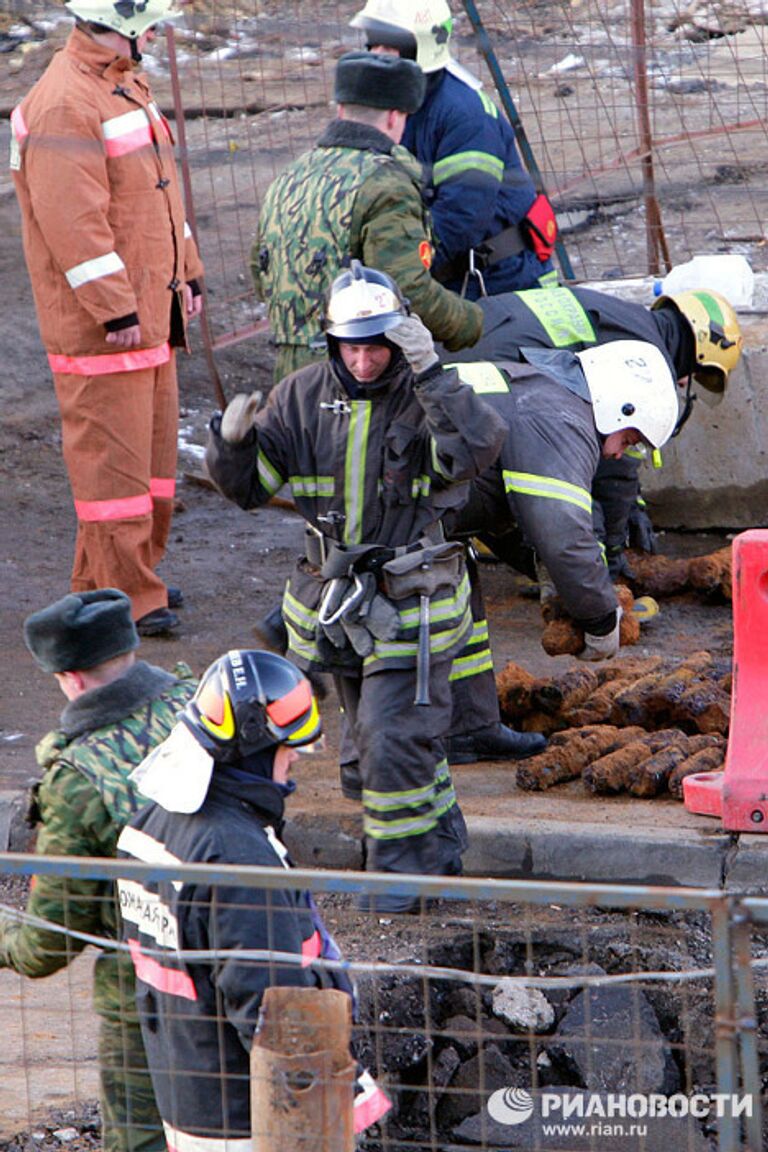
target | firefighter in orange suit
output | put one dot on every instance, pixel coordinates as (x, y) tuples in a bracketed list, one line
[(116, 276)]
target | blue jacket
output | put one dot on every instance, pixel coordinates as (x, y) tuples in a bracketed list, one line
[(474, 178)]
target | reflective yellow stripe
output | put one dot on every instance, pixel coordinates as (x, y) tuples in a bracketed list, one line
[(269, 478), (561, 316), (398, 829), (294, 610), (421, 486), (438, 642), (354, 470), (436, 460), (547, 487), (311, 485), (488, 105), (387, 801), (462, 162), (465, 666), (482, 377)]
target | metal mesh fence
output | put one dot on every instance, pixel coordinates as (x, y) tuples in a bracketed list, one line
[(647, 122), (504, 1015)]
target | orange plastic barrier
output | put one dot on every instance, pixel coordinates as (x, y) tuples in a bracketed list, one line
[(739, 793)]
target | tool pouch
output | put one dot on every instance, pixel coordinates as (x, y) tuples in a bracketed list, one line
[(345, 559), (425, 572), (540, 225)]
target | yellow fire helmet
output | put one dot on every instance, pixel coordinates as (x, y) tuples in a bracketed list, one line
[(716, 333)]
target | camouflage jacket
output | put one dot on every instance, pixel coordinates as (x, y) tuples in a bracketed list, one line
[(85, 798), (356, 195)]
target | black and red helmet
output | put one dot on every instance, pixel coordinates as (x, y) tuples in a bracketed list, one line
[(248, 700)]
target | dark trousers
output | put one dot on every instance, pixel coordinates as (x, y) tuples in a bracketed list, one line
[(411, 817)]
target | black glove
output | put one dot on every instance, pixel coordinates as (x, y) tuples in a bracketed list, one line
[(618, 565), (640, 530)]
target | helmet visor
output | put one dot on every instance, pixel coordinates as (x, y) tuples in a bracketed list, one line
[(294, 719), (710, 378)]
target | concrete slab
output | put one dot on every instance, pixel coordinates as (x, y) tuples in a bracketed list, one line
[(747, 866)]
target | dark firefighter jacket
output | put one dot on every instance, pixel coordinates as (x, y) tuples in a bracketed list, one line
[(575, 318), (541, 482), (382, 470), (476, 183), (198, 1016)]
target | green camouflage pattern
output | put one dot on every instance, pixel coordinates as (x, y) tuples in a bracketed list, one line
[(85, 798), (340, 203), (291, 357)]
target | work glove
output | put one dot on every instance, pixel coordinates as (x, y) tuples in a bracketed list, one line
[(547, 590), (640, 529), (602, 647), (618, 565), (239, 416), (416, 342)]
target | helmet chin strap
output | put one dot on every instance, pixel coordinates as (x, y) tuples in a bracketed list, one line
[(687, 407), (135, 54)]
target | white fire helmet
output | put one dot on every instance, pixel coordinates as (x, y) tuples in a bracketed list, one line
[(419, 29), (363, 302), (130, 18), (632, 386)]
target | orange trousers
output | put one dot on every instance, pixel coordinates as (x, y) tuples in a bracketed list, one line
[(119, 436)]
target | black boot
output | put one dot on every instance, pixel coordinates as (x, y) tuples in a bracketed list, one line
[(419, 855), (351, 780), (271, 630), (496, 742), (160, 622)]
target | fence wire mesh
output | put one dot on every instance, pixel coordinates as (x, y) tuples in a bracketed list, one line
[(647, 123), (505, 1015)]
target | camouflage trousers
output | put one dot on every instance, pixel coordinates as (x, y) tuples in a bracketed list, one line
[(291, 357), (129, 1115)]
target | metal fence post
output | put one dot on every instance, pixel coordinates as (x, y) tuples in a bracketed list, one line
[(746, 1022), (514, 118), (726, 1022)]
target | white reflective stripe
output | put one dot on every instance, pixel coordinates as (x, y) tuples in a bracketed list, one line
[(277, 845), (149, 913), (187, 231), (154, 110), (178, 1141), (125, 125), (94, 269), (147, 849)]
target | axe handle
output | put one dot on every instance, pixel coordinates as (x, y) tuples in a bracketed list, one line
[(422, 655)]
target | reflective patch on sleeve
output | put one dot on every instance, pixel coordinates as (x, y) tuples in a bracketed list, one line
[(127, 133), (19, 132), (95, 269), (561, 315), (482, 376)]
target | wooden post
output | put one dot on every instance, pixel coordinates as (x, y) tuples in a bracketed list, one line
[(302, 1075)]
